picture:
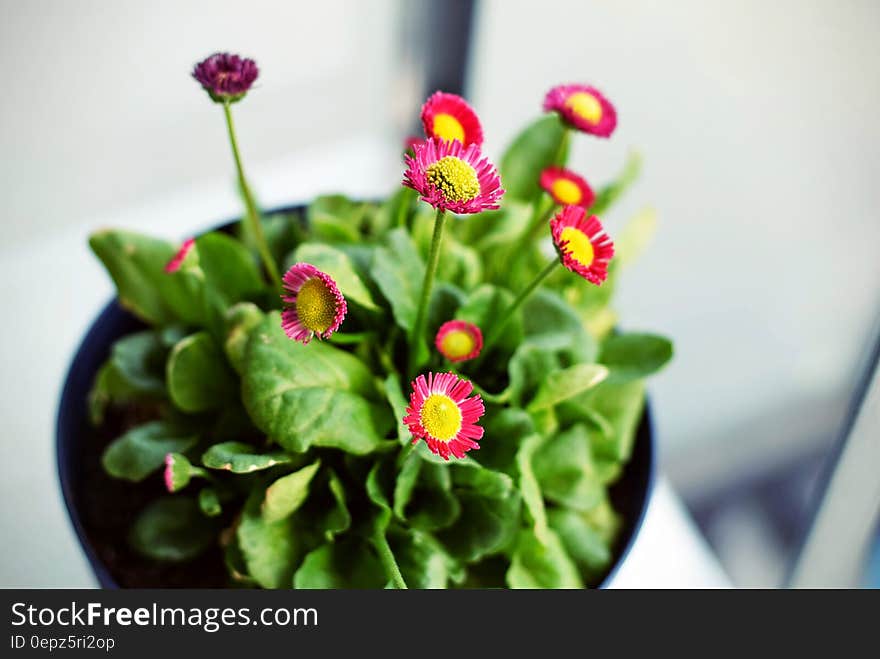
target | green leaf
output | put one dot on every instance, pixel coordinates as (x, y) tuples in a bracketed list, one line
[(197, 374), (398, 270), (333, 518), (564, 469), (484, 306), (241, 458), (172, 529), (604, 521), (335, 219), (142, 450), (528, 485), (240, 320), (311, 395), (609, 194), (635, 236), (633, 356), (567, 383), (288, 493), (348, 564), (283, 231), (393, 212), (528, 368), (542, 565), (229, 267), (469, 474), (550, 323), (398, 404), (336, 264), (107, 388), (272, 551), (137, 265), (581, 541), (376, 494), (490, 513), (621, 404), (534, 149), (445, 301), (236, 565), (494, 231), (405, 484), (462, 265), (423, 561), (209, 502), (423, 495), (139, 362), (505, 431)]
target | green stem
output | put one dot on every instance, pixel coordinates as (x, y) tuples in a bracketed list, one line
[(388, 561), (418, 334), (559, 159), (516, 304), (253, 216)]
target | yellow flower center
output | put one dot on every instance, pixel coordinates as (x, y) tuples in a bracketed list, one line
[(586, 106), (447, 127), (456, 179), (457, 344), (316, 305), (579, 245), (441, 417), (565, 191)]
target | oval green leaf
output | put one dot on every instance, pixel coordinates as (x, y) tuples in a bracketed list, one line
[(241, 458), (142, 450), (172, 529), (311, 395), (197, 374)]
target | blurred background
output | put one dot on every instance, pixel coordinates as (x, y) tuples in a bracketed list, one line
[(758, 126)]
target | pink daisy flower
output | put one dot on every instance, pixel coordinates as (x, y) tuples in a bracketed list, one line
[(313, 306), (567, 188), (582, 243), (177, 260), (441, 413), (453, 177), (459, 341), (582, 107), (449, 117)]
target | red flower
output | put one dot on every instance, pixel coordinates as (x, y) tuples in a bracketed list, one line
[(582, 107), (567, 188), (441, 413), (449, 117), (459, 341), (582, 243)]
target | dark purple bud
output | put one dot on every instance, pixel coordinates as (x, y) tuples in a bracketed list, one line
[(226, 77)]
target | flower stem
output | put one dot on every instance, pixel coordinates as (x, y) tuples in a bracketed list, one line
[(388, 561), (516, 304), (253, 216), (560, 157), (418, 334)]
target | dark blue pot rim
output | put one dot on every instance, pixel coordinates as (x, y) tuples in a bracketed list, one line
[(113, 322)]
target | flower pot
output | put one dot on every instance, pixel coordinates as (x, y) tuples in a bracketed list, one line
[(99, 507)]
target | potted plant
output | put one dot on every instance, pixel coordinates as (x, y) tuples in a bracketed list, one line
[(424, 391)]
